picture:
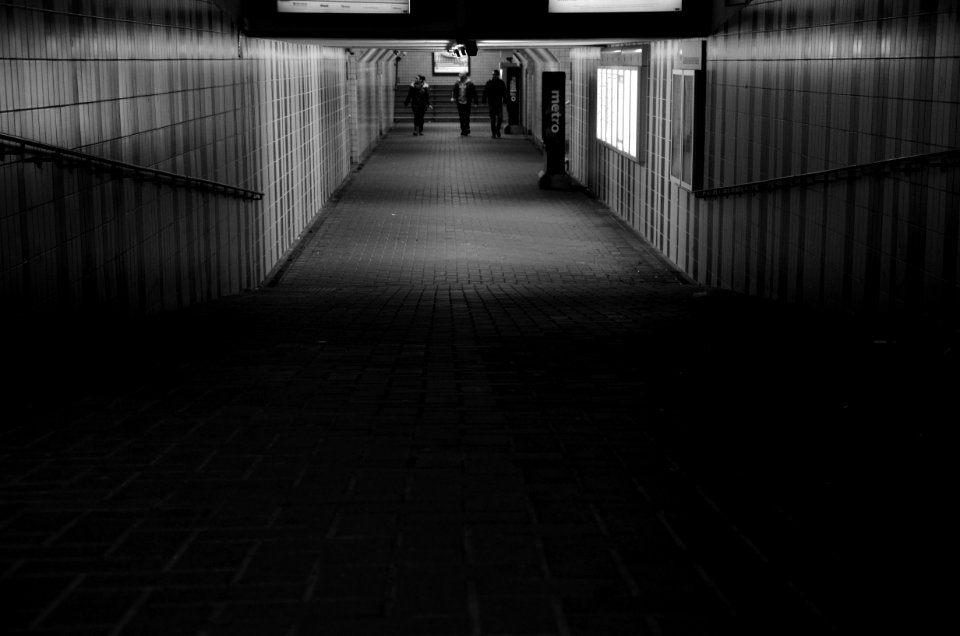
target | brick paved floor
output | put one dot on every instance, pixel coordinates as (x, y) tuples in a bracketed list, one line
[(470, 406)]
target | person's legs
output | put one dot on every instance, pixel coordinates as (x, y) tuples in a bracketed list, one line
[(418, 122), (463, 110), (496, 120)]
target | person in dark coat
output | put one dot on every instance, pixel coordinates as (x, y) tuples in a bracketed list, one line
[(418, 98), (465, 96), (494, 92)]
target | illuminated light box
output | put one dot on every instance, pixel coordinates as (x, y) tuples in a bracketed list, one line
[(449, 63), (618, 96), (344, 6), (613, 6)]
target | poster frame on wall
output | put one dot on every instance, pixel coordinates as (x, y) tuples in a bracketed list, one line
[(613, 6), (445, 63), (368, 7)]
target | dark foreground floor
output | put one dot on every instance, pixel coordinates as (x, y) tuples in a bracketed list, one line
[(470, 406)]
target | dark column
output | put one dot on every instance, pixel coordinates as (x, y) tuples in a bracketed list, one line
[(552, 105), (512, 78)]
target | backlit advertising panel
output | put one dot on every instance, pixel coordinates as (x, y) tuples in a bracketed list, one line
[(343, 6), (613, 6)]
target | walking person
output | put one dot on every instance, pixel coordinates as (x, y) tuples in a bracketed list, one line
[(494, 92), (465, 96), (418, 98)]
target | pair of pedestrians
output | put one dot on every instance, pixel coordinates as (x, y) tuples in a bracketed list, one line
[(465, 96)]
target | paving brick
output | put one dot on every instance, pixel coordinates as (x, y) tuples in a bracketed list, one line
[(518, 616), (83, 608), (28, 595), (349, 581), (154, 620), (468, 406)]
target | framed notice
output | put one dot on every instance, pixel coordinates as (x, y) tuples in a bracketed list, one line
[(343, 6), (446, 63), (613, 6)]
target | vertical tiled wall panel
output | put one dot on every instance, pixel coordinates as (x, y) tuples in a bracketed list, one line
[(795, 87), (167, 84), (387, 82), (581, 115), (371, 82)]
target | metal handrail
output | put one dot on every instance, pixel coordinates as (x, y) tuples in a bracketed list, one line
[(943, 158), (75, 156)]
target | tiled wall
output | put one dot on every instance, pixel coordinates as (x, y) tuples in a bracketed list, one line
[(168, 84), (796, 86), (613, 177), (371, 81), (298, 107)]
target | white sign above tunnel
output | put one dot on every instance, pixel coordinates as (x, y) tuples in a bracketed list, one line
[(343, 6), (613, 6)]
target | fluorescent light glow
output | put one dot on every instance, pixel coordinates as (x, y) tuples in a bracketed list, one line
[(343, 6), (613, 6), (618, 92)]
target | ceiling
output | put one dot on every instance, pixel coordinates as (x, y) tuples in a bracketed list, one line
[(439, 45), (497, 24)]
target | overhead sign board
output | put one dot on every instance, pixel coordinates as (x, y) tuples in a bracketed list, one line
[(613, 6), (343, 6)]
